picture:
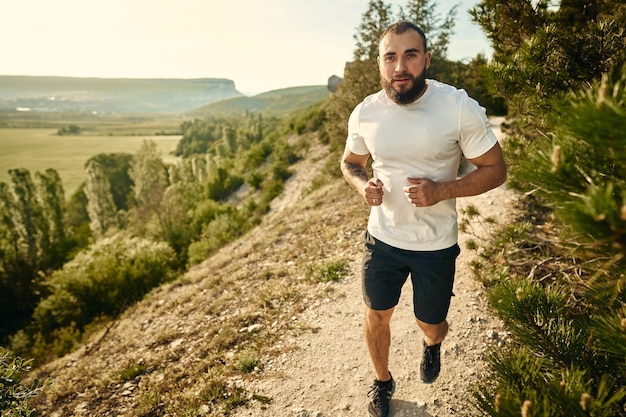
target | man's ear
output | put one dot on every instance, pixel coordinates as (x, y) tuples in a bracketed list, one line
[(428, 54)]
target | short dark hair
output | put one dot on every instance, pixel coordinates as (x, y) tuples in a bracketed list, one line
[(402, 26)]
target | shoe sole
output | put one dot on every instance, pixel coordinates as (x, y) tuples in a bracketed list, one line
[(429, 382)]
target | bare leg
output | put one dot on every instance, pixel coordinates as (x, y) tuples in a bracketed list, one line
[(433, 333), (378, 338)]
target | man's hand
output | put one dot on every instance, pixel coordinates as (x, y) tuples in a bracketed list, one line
[(422, 192), (373, 192)]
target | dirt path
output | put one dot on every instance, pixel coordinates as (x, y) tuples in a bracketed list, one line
[(329, 373)]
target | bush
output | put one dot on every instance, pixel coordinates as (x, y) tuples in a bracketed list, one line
[(105, 279), (69, 130), (564, 310)]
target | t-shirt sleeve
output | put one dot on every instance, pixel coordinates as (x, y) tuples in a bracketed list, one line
[(475, 132), (355, 142)]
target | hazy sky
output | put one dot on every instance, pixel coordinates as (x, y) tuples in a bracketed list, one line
[(261, 45)]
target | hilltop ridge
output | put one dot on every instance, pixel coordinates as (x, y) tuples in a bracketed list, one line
[(196, 97), (110, 95)]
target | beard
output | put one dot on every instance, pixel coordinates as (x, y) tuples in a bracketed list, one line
[(409, 94)]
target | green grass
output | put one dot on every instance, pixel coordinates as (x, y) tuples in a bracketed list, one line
[(40, 149)]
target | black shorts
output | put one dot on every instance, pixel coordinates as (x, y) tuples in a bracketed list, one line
[(386, 269)]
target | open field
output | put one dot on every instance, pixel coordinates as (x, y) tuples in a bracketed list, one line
[(95, 124), (40, 149)]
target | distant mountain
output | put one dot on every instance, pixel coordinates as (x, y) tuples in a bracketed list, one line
[(275, 103), (111, 95)]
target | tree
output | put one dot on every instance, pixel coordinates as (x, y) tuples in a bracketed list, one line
[(116, 168), (541, 52), (52, 198), (69, 130), (148, 175), (29, 216), (438, 31), (373, 23), (101, 207), (32, 241)]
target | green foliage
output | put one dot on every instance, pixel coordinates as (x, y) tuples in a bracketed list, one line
[(116, 168), (373, 23), (565, 317), (70, 129), (222, 229), (100, 205), (249, 362), (473, 78), (34, 238), (524, 377), (561, 72), (222, 183), (133, 371), (232, 133), (580, 170), (332, 270), (15, 397), (149, 178), (140, 220), (541, 316), (114, 273), (541, 52), (307, 120)]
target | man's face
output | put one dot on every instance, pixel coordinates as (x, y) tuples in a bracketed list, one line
[(402, 62)]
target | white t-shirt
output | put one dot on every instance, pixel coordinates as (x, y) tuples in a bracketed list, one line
[(424, 139)]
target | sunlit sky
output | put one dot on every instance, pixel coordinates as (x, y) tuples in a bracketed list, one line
[(261, 45)]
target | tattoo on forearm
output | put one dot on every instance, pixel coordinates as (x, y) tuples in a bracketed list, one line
[(354, 173)]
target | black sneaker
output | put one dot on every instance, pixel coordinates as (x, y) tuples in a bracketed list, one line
[(381, 393), (431, 363)]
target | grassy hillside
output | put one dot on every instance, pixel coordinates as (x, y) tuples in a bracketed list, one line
[(274, 103), (223, 317)]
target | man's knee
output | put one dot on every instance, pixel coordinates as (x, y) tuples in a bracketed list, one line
[(434, 331), (378, 317)]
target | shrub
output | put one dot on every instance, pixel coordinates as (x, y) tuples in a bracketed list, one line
[(103, 280), (14, 397)]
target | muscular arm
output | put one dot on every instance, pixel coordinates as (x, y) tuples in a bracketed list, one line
[(490, 172), (354, 170)]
